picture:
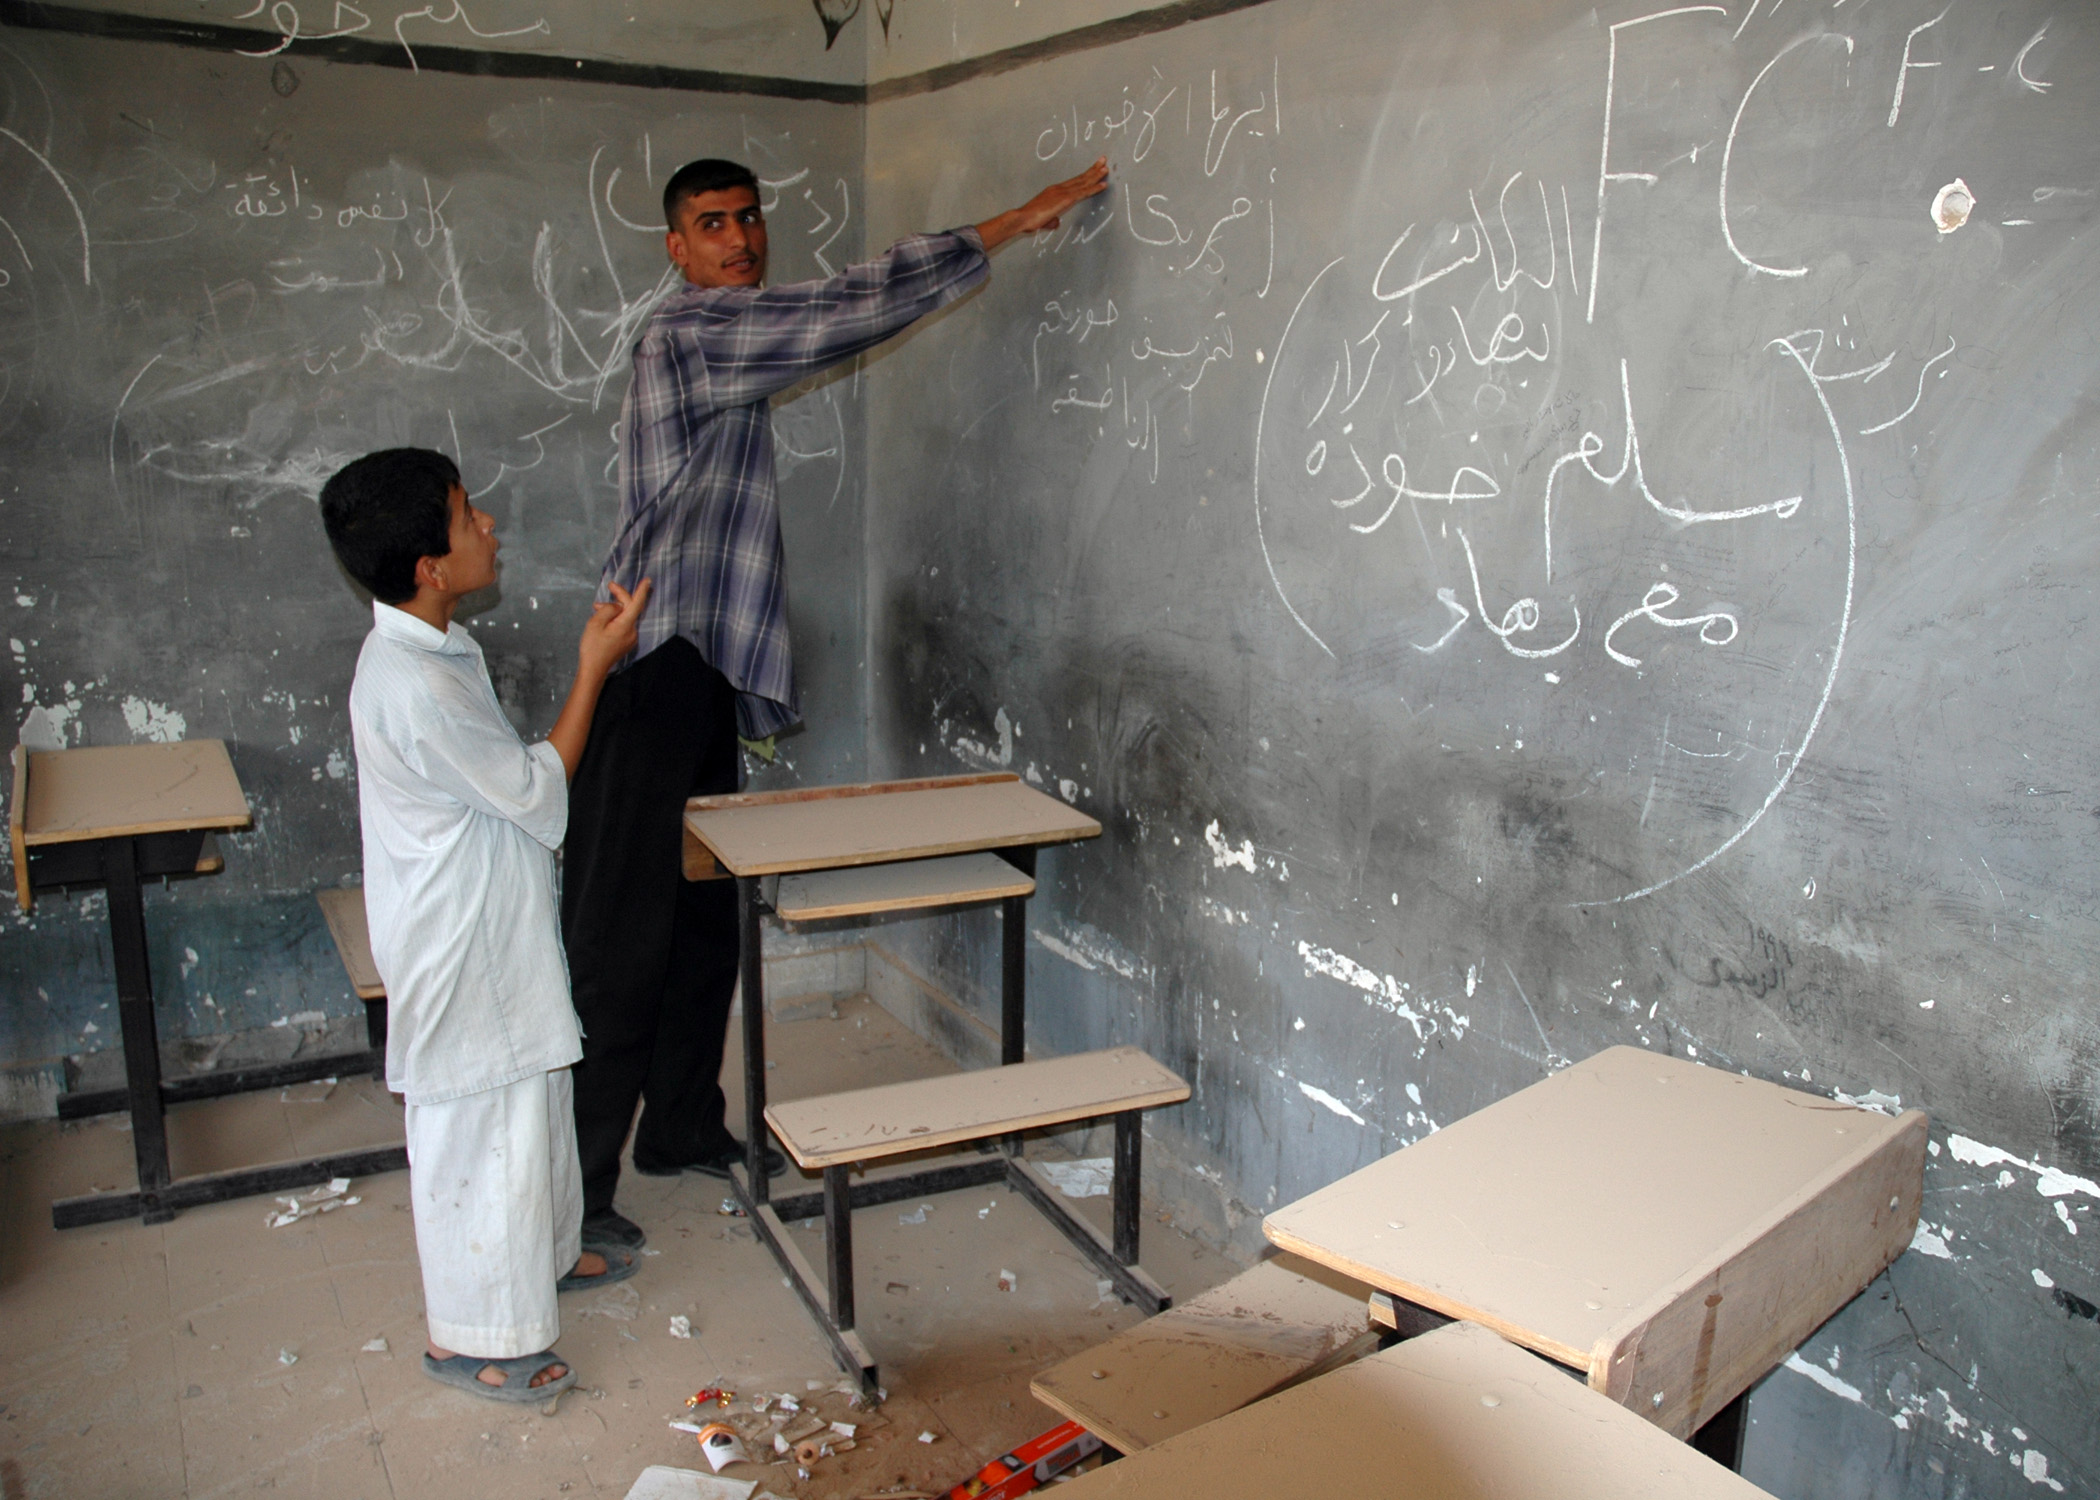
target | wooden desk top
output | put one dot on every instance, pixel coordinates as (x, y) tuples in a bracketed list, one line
[(109, 791), (1457, 1414), (67, 796), (1577, 1216), (824, 828)]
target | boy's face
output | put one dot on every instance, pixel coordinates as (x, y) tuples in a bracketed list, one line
[(471, 564), (720, 239)]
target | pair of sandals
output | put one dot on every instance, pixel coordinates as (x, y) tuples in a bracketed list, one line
[(463, 1371)]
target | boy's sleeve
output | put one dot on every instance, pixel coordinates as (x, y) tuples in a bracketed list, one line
[(478, 758)]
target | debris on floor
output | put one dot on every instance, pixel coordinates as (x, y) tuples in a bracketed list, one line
[(681, 1327), (324, 1199), (375, 1346), (1030, 1464), (721, 1446), (1008, 1281), (1088, 1178), (916, 1216)]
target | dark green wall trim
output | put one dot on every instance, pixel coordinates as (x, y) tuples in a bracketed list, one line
[(1079, 39), (214, 37)]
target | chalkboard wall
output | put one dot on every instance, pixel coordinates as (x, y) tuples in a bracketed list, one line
[(221, 276), (1534, 528), (1539, 528)]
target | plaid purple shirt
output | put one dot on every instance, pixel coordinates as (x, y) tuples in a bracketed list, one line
[(698, 509)]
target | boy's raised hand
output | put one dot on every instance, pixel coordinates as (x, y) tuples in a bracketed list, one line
[(610, 632)]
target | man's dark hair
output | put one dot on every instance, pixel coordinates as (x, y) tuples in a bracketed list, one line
[(384, 511), (708, 175)]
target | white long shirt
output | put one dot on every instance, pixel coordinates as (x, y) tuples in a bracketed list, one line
[(460, 820)]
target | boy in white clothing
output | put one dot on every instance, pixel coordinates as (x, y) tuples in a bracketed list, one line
[(460, 821)]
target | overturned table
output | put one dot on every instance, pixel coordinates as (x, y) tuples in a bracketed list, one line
[(1670, 1231)]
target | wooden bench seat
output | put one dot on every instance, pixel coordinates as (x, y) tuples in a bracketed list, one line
[(1458, 1414), (837, 1132), (868, 1124), (1283, 1321), (905, 885), (344, 909)]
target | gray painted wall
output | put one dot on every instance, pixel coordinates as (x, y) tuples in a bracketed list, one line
[(275, 265), (1382, 849)]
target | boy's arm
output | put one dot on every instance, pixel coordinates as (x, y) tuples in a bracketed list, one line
[(608, 635)]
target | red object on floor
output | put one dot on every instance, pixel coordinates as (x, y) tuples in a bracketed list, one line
[(1033, 1463)]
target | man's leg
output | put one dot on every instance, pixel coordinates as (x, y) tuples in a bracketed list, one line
[(620, 880), (682, 1110)]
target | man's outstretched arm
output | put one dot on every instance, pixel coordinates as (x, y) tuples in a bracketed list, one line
[(1045, 208)]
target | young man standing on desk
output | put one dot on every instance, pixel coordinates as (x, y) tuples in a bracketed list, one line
[(653, 958)]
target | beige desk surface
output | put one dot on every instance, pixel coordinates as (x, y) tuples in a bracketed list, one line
[(104, 791), (1457, 1414), (878, 823), (1583, 1213)]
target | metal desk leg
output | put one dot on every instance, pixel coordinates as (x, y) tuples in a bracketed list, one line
[(750, 938), (838, 1243), (127, 938), (1129, 1175), (1013, 980)]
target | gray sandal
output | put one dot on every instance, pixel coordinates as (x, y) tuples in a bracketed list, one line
[(464, 1372), (620, 1264)]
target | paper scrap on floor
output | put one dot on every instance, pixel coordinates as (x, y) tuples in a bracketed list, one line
[(324, 1199), (1089, 1178), (660, 1482)]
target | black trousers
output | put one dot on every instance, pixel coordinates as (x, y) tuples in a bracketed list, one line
[(652, 956)]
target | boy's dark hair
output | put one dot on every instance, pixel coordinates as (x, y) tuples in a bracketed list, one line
[(384, 511), (708, 175)]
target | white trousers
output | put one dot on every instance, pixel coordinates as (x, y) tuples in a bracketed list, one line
[(499, 1213)]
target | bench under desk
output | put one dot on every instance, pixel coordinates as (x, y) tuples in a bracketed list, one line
[(835, 1133)]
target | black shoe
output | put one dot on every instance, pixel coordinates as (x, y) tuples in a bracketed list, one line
[(715, 1163), (609, 1227)]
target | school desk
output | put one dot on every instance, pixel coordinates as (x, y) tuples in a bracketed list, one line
[(115, 817)]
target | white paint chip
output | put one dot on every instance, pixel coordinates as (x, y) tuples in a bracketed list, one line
[(1952, 205), (1223, 854), (154, 721), (1823, 1378), (1327, 1101)]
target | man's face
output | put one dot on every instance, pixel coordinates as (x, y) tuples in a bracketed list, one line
[(720, 239), (471, 564)]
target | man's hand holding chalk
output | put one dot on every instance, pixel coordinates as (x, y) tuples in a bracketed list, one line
[(1046, 208)]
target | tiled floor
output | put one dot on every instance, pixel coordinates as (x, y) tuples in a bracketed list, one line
[(215, 1356)]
